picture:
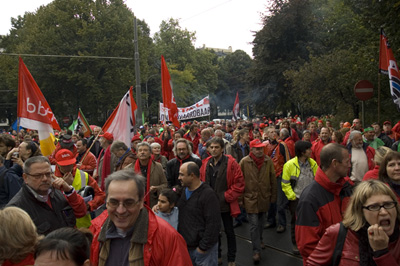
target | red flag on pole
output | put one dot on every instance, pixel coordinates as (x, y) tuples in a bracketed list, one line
[(122, 120), (235, 112), (388, 65), (168, 95), (34, 111)]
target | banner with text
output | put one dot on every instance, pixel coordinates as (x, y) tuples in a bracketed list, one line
[(199, 109)]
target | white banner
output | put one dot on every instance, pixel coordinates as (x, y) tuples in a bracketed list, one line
[(199, 109)]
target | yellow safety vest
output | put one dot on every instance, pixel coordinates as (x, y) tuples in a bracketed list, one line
[(80, 181)]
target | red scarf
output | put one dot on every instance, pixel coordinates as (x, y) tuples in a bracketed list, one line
[(180, 161), (153, 158), (138, 171), (259, 161)]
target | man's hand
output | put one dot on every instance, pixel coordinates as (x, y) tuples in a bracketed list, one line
[(155, 208), (78, 165), (60, 184), (153, 188), (69, 178), (10, 153), (200, 251)]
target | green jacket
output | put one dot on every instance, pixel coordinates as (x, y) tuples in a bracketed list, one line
[(291, 172)]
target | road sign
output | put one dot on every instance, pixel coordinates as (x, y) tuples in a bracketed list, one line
[(364, 90)]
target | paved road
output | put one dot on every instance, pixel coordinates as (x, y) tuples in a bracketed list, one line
[(277, 253)]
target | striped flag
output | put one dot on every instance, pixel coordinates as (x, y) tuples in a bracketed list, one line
[(388, 65), (122, 121), (82, 125), (33, 110)]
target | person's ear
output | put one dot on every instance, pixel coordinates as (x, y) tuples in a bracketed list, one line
[(86, 263), (24, 176)]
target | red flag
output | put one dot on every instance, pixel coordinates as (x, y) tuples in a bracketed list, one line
[(83, 125), (235, 111), (34, 111), (388, 65), (168, 95), (31, 102), (122, 121)]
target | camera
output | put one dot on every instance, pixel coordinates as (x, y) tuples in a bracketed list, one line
[(15, 154)]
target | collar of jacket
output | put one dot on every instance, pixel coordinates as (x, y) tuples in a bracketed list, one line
[(324, 181), (139, 233)]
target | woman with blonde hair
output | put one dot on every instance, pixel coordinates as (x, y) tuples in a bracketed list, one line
[(18, 237), (369, 233)]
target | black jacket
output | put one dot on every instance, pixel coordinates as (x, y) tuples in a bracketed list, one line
[(45, 218), (200, 218), (12, 183), (173, 166), (237, 151)]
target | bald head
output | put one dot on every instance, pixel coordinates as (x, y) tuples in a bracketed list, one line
[(329, 153), (192, 168)]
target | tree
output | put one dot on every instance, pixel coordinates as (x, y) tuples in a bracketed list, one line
[(193, 72), (283, 43), (232, 78), (80, 28)]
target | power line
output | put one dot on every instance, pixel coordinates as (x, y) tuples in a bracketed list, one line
[(205, 11), (70, 56)]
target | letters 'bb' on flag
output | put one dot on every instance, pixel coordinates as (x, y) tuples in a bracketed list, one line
[(33, 110), (168, 95), (122, 121), (235, 111), (388, 65)]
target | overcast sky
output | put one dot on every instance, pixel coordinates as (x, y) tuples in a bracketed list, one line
[(217, 23)]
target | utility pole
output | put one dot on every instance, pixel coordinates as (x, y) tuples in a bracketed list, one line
[(139, 121)]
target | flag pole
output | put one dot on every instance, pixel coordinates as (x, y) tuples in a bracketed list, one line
[(379, 97), (88, 150)]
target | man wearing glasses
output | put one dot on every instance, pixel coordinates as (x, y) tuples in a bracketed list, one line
[(51, 203), (130, 232)]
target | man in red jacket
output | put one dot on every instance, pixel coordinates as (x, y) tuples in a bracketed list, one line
[(223, 174), (85, 160), (129, 231), (324, 201), (324, 139)]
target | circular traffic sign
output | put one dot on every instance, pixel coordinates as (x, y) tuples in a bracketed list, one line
[(364, 90)]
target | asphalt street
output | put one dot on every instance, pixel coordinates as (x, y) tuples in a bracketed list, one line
[(278, 250)]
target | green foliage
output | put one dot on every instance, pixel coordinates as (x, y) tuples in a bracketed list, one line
[(84, 28), (232, 78)]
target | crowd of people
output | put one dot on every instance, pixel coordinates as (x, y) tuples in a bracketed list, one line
[(167, 197)]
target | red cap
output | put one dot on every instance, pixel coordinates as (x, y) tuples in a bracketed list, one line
[(256, 143), (65, 157), (135, 138), (262, 125), (387, 122), (320, 121), (107, 136), (298, 123)]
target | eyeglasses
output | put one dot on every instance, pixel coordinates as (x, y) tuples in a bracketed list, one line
[(128, 204), (377, 207), (40, 176)]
